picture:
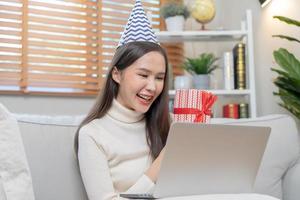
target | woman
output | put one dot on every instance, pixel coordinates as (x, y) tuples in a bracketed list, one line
[(120, 142)]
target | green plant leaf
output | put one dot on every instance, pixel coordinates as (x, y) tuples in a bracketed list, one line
[(280, 72), (288, 62), (292, 80), (290, 102), (287, 38), (212, 69), (203, 64), (287, 20), (174, 9), (291, 85), (293, 110)]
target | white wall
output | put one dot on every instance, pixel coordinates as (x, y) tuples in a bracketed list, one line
[(229, 15)]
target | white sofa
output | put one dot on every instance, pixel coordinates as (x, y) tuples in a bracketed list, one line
[(48, 144)]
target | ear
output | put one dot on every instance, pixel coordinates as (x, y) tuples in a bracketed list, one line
[(116, 75)]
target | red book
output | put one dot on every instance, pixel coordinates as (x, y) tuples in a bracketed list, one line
[(231, 111)]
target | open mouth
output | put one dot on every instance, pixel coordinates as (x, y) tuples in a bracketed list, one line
[(145, 98)]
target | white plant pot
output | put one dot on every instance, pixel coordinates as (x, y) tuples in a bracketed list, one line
[(175, 23), (201, 81), (183, 82)]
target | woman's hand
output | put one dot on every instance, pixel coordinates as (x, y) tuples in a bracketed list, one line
[(153, 170)]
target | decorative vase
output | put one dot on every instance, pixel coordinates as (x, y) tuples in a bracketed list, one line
[(182, 82), (175, 23), (203, 11), (201, 81)]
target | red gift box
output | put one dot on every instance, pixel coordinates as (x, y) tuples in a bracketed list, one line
[(192, 105)]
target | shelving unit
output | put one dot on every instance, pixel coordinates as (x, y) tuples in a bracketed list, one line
[(189, 36), (245, 34)]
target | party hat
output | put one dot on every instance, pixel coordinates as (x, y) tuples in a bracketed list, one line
[(138, 27)]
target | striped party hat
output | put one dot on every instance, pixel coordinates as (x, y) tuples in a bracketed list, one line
[(138, 27)]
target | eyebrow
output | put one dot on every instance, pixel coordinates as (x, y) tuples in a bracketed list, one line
[(147, 70)]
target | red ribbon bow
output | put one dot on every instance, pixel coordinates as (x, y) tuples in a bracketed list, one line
[(194, 111)]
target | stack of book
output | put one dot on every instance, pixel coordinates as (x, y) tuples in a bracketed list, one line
[(235, 68), (236, 111), (239, 66)]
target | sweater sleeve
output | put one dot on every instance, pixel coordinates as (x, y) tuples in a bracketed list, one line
[(95, 171), (143, 185)]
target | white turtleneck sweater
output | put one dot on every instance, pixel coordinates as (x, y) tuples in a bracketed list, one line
[(113, 154)]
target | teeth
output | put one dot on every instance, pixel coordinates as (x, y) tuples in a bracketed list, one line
[(145, 97)]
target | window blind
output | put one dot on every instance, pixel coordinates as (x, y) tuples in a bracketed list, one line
[(55, 47), (175, 52), (62, 47), (10, 44)]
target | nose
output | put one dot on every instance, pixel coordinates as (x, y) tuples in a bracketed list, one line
[(151, 86)]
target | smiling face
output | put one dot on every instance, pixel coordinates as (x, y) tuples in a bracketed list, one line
[(142, 82)]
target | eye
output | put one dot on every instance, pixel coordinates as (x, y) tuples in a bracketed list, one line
[(160, 78), (143, 75)]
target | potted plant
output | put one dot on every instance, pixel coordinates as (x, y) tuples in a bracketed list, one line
[(201, 67), (288, 80), (174, 15)]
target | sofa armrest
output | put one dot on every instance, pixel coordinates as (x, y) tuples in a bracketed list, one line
[(291, 183)]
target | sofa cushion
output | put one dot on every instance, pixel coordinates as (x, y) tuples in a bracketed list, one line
[(52, 157), (282, 151), (48, 142), (14, 170), (2, 192), (291, 183)]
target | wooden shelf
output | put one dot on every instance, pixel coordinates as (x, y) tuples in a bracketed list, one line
[(216, 35)]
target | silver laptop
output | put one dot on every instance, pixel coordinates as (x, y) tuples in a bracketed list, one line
[(209, 159)]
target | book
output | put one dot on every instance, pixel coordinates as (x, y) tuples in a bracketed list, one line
[(236, 111), (228, 70), (243, 110), (239, 66), (231, 111)]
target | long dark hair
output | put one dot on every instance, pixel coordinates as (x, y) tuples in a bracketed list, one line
[(156, 118)]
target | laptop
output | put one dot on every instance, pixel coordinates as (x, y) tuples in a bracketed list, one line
[(209, 159)]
